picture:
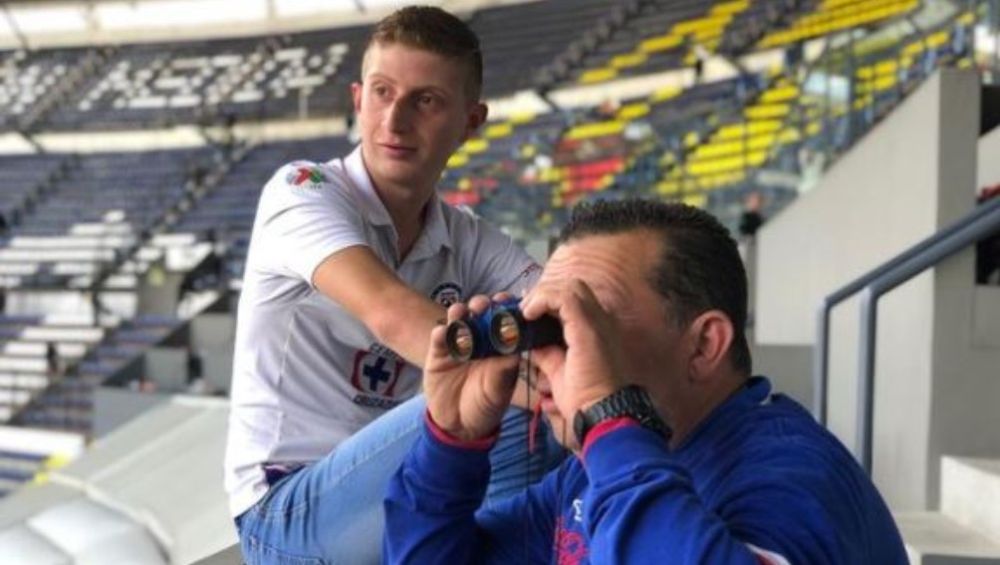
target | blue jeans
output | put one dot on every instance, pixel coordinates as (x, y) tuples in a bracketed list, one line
[(330, 512)]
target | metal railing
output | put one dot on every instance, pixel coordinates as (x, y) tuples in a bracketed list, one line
[(977, 224)]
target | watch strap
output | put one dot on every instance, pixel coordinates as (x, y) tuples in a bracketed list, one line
[(631, 401)]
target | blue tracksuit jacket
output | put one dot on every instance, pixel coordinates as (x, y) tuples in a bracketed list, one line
[(759, 481)]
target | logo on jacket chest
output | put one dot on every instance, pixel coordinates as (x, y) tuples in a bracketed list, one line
[(570, 543)]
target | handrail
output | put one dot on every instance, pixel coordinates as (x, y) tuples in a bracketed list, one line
[(821, 359), (941, 247)]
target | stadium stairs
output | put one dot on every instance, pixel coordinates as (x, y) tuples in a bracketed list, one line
[(966, 530)]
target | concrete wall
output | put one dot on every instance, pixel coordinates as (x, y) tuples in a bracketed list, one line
[(212, 336), (908, 178), (964, 420), (789, 367), (167, 367), (213, 331), (114, 407), (157, 294)]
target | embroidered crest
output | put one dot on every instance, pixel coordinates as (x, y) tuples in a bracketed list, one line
[(447, 294), (375, 375)]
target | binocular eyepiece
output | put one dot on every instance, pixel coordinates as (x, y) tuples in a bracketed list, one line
[(500, 330)]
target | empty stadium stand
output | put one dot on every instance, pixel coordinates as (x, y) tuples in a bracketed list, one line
[(225, 213), (268, 77)]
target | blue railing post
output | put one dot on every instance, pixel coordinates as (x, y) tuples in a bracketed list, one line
[(984, 222)]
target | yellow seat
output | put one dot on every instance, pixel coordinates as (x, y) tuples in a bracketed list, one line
[(496, 131), (598, 75), (457, 160), (755, 127), (664, 94), (661, 43), (779, 94), (628, 60), (521, 118), (696, 199), (477, 145), (766, 111), (596, 129), (730, 8), (633, 111), (885, 83)]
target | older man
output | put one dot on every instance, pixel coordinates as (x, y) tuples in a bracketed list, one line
[(681, 455)]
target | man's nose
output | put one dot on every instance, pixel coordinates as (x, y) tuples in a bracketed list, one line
[(398, 116)]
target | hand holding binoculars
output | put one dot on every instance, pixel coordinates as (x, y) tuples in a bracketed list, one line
[(500, 330)]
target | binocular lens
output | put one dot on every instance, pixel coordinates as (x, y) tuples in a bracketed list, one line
[(509, 332), (459, 339)]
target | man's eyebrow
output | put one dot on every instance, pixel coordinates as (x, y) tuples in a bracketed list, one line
[(377, 75), (421, 88), (433, 89)]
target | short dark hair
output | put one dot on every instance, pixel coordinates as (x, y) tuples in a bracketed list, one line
[(432, 29), (700, 268)]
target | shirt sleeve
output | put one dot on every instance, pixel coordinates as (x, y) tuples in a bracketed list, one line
[(307, 212), (496, 263), (431, 511)]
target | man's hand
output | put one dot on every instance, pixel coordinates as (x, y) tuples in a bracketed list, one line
[(589, 368), (467, 399)]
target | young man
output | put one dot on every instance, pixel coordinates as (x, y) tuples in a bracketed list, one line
[(351, 263), (681, 456)]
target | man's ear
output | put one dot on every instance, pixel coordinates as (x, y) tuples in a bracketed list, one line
[(476, 118), (356, 88), (710, 335)]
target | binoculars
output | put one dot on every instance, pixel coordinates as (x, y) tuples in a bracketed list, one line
[(500, 330)]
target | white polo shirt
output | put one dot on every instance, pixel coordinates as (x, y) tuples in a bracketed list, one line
[(306, 374)]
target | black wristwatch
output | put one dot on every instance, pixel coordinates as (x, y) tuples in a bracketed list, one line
[(632, 401)]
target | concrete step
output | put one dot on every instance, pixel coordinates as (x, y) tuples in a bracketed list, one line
[(970, 493), (934, 539)]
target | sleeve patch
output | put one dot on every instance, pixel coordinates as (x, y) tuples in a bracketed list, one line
[(306, 175)]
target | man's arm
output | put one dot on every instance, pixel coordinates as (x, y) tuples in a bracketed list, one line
[(431, 503), (431, 506), (397, 315), (316, 231), (641, 507)]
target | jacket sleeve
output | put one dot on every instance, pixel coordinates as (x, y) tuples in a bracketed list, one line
[(431, 510), (648, 511)]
